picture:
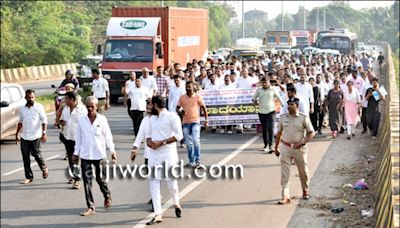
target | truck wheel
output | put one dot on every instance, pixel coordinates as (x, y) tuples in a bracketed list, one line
[(114, 99)]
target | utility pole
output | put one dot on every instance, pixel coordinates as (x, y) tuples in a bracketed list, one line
[(283, 25), (324, 18), (304, 15), (242, 19), (317, 19)]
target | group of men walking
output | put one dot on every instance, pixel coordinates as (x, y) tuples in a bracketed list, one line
[(294, 95)]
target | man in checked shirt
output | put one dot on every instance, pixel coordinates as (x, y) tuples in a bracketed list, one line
[(162, 84)]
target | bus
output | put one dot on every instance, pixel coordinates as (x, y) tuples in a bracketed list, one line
[(344, 41)]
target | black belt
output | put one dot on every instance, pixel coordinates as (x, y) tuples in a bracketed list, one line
[(101, 98)]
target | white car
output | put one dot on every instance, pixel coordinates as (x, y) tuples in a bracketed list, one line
[(12, 99), (223, 51), (308, 50)]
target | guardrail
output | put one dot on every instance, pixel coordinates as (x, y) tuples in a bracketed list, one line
[(33, 73), (387, 201)]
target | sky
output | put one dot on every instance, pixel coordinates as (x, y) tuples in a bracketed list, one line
[(274, 8)]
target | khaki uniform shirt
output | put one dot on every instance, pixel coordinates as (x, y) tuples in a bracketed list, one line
[(294, 127)]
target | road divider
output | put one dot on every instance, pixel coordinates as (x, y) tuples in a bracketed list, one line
[(34, 73)]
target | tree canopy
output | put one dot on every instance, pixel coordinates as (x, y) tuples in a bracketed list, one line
[(375, 24), (52, 32)]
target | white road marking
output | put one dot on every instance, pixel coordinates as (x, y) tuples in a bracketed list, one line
[(17, 170), (196, 183)]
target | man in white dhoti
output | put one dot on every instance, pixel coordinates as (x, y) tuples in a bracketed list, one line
[(165, 131)]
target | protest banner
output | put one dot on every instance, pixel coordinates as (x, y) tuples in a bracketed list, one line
[(230, 107)]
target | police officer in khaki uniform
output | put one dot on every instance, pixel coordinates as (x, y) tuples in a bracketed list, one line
[(294, 132)]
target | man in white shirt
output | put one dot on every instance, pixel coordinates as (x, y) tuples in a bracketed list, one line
[(101, 91), (93, 135), (33, 122), (213, 85), (69, 122), (165, 131), (138, 96), (149, 82), (232, 77), (245, 81), (127, 100), (343, 82), (305, 90), (176, 91), (227, 85)]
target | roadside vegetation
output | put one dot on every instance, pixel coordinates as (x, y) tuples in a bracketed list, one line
[(47, 100)]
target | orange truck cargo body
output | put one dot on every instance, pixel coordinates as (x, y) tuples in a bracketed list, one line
[(182, 33)]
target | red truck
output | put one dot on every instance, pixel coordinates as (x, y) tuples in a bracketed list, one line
[(140, 37)]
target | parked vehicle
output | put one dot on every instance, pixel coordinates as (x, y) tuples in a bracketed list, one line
[(83, 69), (237, 51), (12, 99), (140, 37), (223, 51)]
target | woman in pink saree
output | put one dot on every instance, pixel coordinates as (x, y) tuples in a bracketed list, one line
[(352, 100)]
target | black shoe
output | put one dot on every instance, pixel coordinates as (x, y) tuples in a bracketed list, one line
[(155, 220), (354, 135), (348, 137), (270, 150), (364, 131), (214, 130), (178, 212), (319, 132)]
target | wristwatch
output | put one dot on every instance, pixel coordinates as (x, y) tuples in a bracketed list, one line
[(44, 132)]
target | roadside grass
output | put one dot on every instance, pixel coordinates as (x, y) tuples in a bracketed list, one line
[(47, 100)]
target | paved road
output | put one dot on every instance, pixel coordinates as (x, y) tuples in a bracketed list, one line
[(235, 203), (246, 202), (41, 87)]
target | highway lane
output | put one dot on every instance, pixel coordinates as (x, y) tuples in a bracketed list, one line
[(41, 86), (249, 201), (51, 202)]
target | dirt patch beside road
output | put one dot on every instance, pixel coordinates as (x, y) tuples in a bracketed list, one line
[(345, 162)]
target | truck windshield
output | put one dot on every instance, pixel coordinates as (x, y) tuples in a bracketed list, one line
[(129, 51), (271, 39), (283, 39), (335, 43), (302, 40)]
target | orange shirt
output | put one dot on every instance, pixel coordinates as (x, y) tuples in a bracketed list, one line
[(191, 106)]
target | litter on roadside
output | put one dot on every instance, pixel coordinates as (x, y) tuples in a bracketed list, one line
[(360, 185), (337, 210), (367, 213), (348, 186)]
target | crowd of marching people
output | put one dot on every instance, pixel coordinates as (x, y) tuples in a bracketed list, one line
[(305, 92)]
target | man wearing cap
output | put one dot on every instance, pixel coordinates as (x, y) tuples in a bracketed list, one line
[(291, 131)]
